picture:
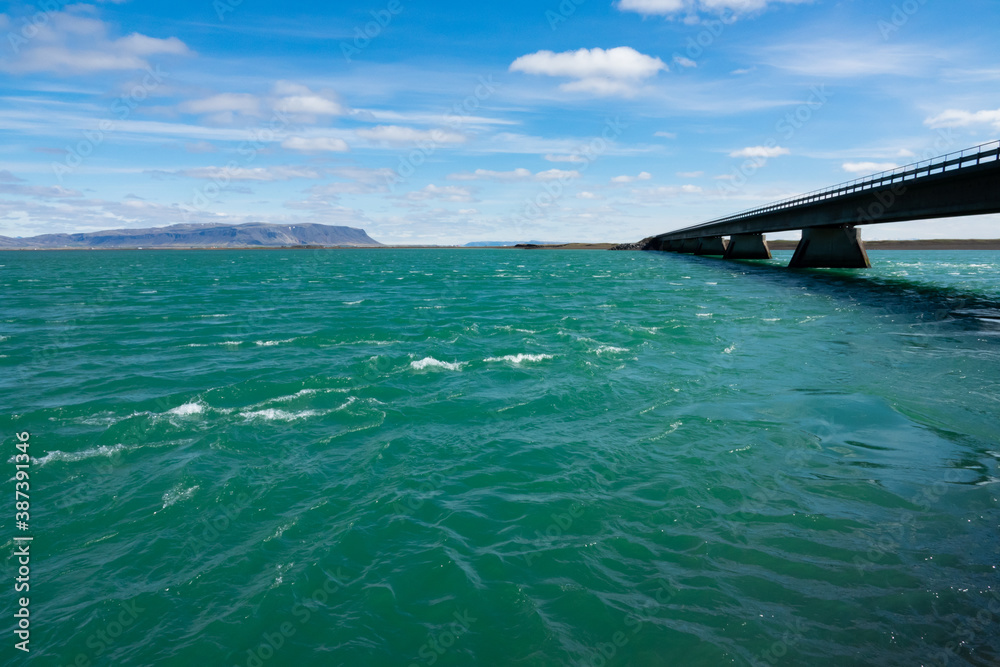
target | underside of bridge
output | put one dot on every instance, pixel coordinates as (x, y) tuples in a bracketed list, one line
[(958, 184)]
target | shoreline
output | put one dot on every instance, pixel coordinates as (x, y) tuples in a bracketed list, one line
[(922, 244)]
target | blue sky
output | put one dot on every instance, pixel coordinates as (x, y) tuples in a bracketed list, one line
[(439, 122)]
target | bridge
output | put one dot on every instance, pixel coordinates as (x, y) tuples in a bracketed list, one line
[(957, 184)]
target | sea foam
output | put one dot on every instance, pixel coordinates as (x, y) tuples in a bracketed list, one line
[(520, 358), (431, 362)]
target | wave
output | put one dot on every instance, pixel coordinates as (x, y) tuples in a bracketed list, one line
[(102, 450), (431, 362), (192, 408), (225, 342), (271, 343), (520, 358), (603, 349), (177, 494), (273, 414)]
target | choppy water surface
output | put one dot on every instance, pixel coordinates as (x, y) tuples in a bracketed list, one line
[(505, 457)]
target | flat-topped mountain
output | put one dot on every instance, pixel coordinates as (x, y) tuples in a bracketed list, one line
[(208, 235)]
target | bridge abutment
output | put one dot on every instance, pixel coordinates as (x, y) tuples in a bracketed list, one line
[(711, 245), (830, 248), (748, 246)]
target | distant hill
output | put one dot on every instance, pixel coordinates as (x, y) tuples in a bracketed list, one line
[(504, 244), (251, 234)]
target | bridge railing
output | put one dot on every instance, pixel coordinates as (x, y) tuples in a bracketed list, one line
[(969, 157)]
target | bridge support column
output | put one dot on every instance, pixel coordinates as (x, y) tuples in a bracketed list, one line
[(688, 246), (711, 245), (831, 248), (748, 246)]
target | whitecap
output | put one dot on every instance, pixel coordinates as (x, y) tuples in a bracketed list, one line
[(225, 342), (520, 358), (729, 350), (272, 414), (703, 314), (431, 362), (177, 494), (298, 394), (610, 348), (353, 303), (271, 343), (281, 530), (71, 457), (192, 408)]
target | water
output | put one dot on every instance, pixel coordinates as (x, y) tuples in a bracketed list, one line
[(504, 457)]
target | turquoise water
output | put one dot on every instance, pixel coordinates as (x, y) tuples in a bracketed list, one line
[(500, 457)]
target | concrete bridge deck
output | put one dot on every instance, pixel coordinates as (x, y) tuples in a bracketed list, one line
[(952, 185)]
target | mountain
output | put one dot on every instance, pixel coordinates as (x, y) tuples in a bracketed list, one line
[(251, 234)]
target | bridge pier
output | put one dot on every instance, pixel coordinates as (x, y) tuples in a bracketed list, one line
[(711, 245), (748, 246), (831, 248)]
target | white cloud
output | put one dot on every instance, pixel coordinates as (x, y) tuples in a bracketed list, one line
[(397, 135), (655, 194), (765, 152), (643, 176), (566, 158), (685, 62), (835, 58), (489, 175), (226, 174), (520, 174), (236, 102), (668, 7), (690, 174), (287, 97), (868, 167), (665, 135), (68, 43), (200, 147), (586, 195), (597, 71), (451, 193), (316, 144), (959, 118), (556, 174)]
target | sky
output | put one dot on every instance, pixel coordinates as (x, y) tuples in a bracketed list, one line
[(446, 123)]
